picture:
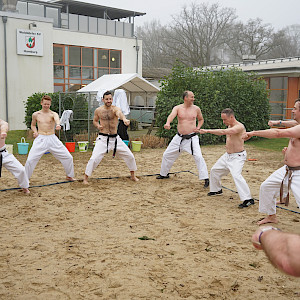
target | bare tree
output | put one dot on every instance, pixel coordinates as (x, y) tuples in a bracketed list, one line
[(152, 35), (252, 38), (196, 33), (289, 42)]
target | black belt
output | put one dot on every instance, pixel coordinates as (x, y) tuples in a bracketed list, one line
[(187, 137), (110, 136), (3, 150)]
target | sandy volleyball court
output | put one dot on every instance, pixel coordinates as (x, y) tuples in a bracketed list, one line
[(70, 241)]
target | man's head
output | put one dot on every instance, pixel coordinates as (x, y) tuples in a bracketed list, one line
[(188, 97), (107, 98), (296, 110), (227, 116), (46, 102)]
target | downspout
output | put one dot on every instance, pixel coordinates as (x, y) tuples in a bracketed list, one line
[(137, 48), (4, 20)]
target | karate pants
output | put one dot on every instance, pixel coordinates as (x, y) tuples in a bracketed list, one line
[(270, 190), (100, 150), (51, 143), (232, 163), (172, 153), (16, 168)]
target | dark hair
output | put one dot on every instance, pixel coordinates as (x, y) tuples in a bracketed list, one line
[(106, 94), (46, 97), (185, 93), (228, 112)]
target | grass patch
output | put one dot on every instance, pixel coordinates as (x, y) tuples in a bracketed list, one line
[(269, 144)]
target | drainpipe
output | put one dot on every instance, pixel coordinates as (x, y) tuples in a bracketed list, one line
[(137, 48), (4, 20)]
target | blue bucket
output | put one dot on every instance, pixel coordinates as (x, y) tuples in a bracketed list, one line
[(23, 146), (126, 142)]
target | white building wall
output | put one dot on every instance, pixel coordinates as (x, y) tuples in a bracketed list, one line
[(30, 74), (25, 74)]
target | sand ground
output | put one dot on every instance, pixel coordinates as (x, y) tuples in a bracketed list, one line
[(70, 241)]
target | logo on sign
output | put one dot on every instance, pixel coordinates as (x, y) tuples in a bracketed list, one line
[(30, 41)]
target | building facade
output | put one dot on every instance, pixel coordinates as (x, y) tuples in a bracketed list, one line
[(60, 46)]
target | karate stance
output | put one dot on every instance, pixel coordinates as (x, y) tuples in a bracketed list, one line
[(287, 176), (10, 162), (46, 140), (108, 138), (186, 139), (232, 161)]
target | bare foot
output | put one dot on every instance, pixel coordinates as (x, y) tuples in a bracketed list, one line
[(70, 178), (26, 191), (133, 178), (85, 179), (268, 219)]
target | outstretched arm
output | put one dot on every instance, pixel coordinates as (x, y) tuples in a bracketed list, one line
[(232, 130), (293, 132), (281, 248), (287, 123)]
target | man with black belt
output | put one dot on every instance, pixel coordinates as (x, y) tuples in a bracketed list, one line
[(8, 160), (232, 161), (108, 138), (186, 139), (285, 177)]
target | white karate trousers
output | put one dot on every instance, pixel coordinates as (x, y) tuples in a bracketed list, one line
[(49, 143), (172, 153), (100, 150), (232, 163), (270, 190), (16, 168)]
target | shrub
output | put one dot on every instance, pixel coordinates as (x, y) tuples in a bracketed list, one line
[(214, 91), (134, 125)]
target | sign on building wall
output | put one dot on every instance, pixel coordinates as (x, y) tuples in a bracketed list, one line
[(29, 42)]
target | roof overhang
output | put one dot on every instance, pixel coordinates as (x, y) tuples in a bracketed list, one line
[(95, 10)]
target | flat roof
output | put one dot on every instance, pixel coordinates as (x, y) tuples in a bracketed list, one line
[(95, 10)]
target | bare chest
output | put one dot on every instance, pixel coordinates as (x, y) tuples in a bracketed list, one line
[(107, 115), (187, 114)]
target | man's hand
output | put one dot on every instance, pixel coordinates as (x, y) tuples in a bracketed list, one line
[(126, 122), (35, 134), (284, 150), (246, 136), (99, 126), (202, 131), (255, 239), (167, 126), (3, 135), (57, 127)]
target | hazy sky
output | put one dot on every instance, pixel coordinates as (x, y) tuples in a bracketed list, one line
[(279, 13)]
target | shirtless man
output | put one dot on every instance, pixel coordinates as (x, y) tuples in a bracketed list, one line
[(288, 175), (10, 162), (186, 139), (108, 138), (232, 161), (46, 140)]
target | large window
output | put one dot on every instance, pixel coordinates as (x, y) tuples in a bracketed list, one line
[(278, 97), (75, 67)]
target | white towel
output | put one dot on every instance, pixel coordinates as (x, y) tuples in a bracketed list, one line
[(65, 119), (120, 100)]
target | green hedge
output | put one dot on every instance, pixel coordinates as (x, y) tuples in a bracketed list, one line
[(214, 91)]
